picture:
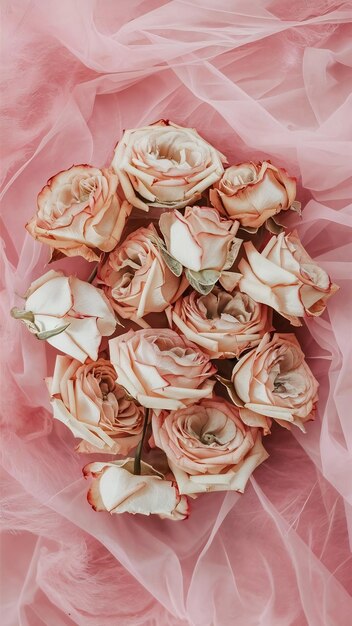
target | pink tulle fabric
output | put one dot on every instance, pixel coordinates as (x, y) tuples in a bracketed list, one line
[(258, 79)]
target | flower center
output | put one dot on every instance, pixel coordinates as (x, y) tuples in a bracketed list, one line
[(240, 177), (169, 153), (218, 304), (317, 275), (106, 388), (87, 188), (290, 384), (209, 438), (279, 386)]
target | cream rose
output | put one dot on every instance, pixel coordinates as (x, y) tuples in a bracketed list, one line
[(80, 212), (273, 381), (161, 369), (117, 490), (137, 280), (223, 324), (88, 400), (165, 165), (285, 277), (69, 313), (253, 193), (203, 243), (208, 446)]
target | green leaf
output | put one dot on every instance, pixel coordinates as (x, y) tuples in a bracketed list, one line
[(249, 229), (22, 314), (173, 265), (203, 288), (273, 227), (47, 334), (206, 277)]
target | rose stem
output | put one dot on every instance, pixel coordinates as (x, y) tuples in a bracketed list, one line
[(93, 274), (137, 456)]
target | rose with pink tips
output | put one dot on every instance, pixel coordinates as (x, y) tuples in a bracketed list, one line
[(208, 446), (116, 489), (161, 369), (284, 277), (70, 314), (80, 212)]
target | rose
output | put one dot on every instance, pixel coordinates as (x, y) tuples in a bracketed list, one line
[(165, 165), (208, 447), (87, 399), (285, 277), (79, 212), (201, 241), (70, 314), (136, 278), (223, 324), (253, 193), (117, 490), (274, 381), (161, 369)]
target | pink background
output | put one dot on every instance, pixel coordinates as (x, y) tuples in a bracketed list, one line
[(258, 78)]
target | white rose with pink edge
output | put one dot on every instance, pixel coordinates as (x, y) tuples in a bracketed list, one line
[(70, 314), (116, 489), (89, 401), (284, 277), (161, 369), (203, 243), (80, 212), (208, 446), (165, 165)]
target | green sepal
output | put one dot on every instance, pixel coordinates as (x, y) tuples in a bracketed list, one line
[(174, 266), (47, 334), (204, 281)]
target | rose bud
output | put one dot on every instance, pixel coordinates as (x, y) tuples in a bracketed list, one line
[(273, 381), (89, 401), (223, 324), (137, 280), (165, 165), (161, 369), (204, 243), (208, 446), (285, 277), (80, 212), (253, 193), (68, 313), (117, 490)]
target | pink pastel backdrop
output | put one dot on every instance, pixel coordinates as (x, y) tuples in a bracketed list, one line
[(258, 78)]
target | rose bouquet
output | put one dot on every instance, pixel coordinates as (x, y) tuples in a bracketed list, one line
[(198, 302)]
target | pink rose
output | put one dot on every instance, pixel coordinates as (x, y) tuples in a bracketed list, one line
[(136, 278), (208, 446), (165, 165), (203, 243), (161, 369), (88, 400), (80, 212), (69, 313), (285, 277), (200, 239), (274, 381), (223, 324), (117, 490), (253, 193)]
